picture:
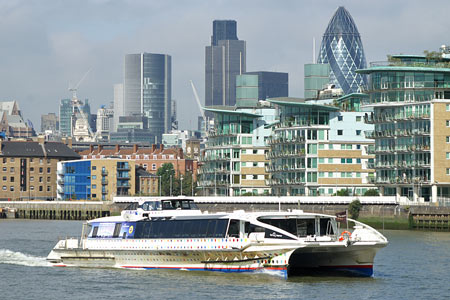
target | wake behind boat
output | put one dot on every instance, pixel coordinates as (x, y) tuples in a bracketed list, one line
[(173, 233)]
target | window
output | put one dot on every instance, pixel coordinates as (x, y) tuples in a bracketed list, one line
[(11, 188), (40, 179), (48, 170), (49, 188), (358, 118), (321, 174), (94, 176), (4, 169), (94, 167), (31, 169), (330, 174), (447, 155), (31, 178), (5, 178), (41, 170), (40, 188), (11, 179), (41, 161), (448, 171), (358, 160), (340, 118), (12, 159), (447, 139), (447, 107), (12, 169), (94, 186), (358, 147), (4, 187), (342, 160), (145, 166), (340, 132), (330, 160), (358, 132), (321, 146), (349, 160), (255, 164), (330, 146), (153, 166), (358, 174), (48, 179), (321, 160)]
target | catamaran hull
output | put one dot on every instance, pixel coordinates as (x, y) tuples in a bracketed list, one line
[(353, 260)]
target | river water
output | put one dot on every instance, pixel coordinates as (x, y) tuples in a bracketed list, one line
[(415, 265)]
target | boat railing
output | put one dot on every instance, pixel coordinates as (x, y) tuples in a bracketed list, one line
[(373, 230)]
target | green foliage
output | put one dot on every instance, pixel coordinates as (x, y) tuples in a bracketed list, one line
[(372, 192), (354, 208), (343, 192), (167, 174)]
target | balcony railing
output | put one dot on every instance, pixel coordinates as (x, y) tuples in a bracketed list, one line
[(386, 118), (284, 140)]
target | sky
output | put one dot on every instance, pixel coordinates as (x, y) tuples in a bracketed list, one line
[(46, 46)]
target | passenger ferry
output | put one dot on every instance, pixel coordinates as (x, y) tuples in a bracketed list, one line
[(173, 233)]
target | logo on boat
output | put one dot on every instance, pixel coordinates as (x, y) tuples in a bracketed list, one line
[(275, 235), (130, 230)]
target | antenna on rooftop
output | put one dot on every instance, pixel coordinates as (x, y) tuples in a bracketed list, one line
[(314, 50)]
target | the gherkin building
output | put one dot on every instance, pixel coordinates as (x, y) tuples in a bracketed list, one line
[(342, 49)]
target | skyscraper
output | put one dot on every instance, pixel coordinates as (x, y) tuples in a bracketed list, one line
[(118, 104), (147, 90), (342, 49), (224, 59)]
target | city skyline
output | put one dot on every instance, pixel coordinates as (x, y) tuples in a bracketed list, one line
[(45, 42)]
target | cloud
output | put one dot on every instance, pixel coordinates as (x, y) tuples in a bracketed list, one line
[(47, 44)]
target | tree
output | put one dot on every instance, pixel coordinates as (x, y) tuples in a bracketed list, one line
[(167, 174), (372, 192), (343, 192), (354, 208)]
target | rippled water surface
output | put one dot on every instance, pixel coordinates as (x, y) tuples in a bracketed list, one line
[(415, 265)]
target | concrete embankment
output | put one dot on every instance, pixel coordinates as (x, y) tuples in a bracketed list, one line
[(58, 210)]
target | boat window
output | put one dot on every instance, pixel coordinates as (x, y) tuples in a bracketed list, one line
[(117, 230), (151, 205), (167, 205), (249, 228), (204, 228), (193, 205), (305, 227), (233, 229), (326, 227), (132, 206), (185, 205), (94, 231)]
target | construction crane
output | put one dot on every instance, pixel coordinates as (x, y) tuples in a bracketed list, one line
[(76, 103), (202, 112)]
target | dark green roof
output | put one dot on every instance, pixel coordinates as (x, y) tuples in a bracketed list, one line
[(229, 110), (352, 95), (289, 101)]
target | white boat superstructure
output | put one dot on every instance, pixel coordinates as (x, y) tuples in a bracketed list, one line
[(173, 233)]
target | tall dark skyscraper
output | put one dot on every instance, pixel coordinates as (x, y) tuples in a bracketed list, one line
[(224, 59), (223, 30), (342, 49)]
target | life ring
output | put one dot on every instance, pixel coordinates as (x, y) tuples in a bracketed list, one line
[(345, 233)]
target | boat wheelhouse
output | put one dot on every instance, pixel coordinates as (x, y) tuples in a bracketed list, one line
[(174, 233)]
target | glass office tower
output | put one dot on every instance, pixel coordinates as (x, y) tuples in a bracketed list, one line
[(147, 90), (342, 49)]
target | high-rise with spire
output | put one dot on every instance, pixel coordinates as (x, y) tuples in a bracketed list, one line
[(224, 59), (342, 49)]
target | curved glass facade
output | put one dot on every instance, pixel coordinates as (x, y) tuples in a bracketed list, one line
[(342, 49)]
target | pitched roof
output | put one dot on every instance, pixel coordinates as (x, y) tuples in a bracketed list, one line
[(35, 149)]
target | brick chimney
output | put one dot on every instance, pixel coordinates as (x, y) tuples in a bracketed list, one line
[(153, 147), (100, 148), (91, 149), (135, 148), (180, 153), (69, 142), (117, 149), (161, 147)]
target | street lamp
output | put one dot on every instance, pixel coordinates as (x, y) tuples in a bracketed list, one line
[(170, 185), (181, 186), (159, 185)]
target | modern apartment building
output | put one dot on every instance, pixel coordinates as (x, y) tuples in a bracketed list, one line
[(96, 179), (318, 149), (410, 97), (233, 162), (28, 169)]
